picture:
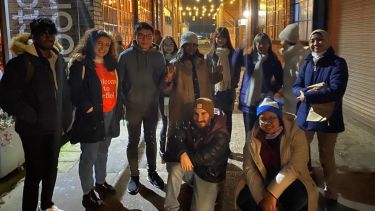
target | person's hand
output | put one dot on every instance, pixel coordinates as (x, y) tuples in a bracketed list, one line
[(171, 72), (301, 97), (268, 203), (185, 162), (90, 110)]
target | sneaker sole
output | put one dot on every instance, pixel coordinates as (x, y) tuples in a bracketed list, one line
[(155, 185), (133, 192)]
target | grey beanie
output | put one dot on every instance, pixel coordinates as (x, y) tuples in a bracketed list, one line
[(290, 33), (188, 37)]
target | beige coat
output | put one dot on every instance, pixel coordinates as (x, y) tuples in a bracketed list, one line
[(294, 156), (181, 90)]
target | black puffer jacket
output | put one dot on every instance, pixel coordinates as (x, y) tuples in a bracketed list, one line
[(208, 148), (29, 93), (87, 93)]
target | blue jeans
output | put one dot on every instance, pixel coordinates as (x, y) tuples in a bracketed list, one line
[(93, 155), (250, 118), (204, 193)]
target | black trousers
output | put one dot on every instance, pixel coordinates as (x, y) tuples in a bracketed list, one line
[(41, 159), (294, 198)]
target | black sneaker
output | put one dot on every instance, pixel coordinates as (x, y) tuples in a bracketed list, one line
[(155, 180), (133, 185), (105, 189), (91, 200)]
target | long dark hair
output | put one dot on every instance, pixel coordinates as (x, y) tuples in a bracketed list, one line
[(223, 32), (86, 48), (260, 37)]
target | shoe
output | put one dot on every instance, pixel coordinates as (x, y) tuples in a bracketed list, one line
[(53, 208), (91, 200), (133, 185), (155, 180), (104, 190)]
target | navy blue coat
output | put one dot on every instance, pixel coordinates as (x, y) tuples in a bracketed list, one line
[(272, 76), (332, 70)]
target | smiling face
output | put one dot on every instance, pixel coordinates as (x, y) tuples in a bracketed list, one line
[(190, 48), (262, 46), (269, 122), (102, 47), (45, 40), (144, 39), (317, 43), (168, 46), (221, 41), (201, 117)]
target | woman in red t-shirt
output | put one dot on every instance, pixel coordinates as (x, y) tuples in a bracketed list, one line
[(94, 88)]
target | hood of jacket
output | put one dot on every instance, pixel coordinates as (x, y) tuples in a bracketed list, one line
[(23, 43)]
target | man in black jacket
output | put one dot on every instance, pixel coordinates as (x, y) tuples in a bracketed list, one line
[(198, 153), (34, 90)]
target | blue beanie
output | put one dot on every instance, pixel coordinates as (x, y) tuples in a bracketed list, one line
[(272, 105)]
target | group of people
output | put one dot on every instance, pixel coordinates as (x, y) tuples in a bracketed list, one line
[(194, 95)]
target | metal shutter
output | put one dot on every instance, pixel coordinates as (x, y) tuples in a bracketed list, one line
[(356, 44)]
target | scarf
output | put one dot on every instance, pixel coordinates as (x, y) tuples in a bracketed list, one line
[(225, 84), (274, 135), (254, 90), (317, 56)]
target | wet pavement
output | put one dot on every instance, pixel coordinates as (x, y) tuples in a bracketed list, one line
[(355, 157)]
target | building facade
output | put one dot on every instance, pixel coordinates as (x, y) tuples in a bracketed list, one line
[(350, 24), (73, 18)]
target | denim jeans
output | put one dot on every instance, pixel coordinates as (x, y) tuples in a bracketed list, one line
[(250, 118), (204, 193), (149, 120), (41, 159), (93, 155)]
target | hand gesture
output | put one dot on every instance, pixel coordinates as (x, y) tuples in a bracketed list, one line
[(301, 97), (171, 72), (185, 162)]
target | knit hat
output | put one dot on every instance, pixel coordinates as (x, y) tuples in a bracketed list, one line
[(324, 34), (290, 33), (205, 104), (272, 105), (188, 37)]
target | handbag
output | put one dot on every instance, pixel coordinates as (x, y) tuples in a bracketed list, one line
[(320, 112)]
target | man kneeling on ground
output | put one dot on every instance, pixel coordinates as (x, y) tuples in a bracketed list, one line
[(198, 154)]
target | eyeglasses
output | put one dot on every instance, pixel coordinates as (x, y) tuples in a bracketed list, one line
[(143, 36), (269, 120)]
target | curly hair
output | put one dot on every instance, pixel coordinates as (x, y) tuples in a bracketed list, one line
[(86, 48), (40, 25)]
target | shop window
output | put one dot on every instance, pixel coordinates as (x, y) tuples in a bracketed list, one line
[(302, 11), (144, 11), (273, 17), (118, 18)]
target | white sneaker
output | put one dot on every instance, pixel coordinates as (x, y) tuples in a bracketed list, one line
[(53, 208)]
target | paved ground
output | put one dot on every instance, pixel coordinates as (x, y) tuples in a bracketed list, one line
[(355, 155)]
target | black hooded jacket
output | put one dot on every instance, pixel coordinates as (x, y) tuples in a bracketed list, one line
[(207, 148)]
